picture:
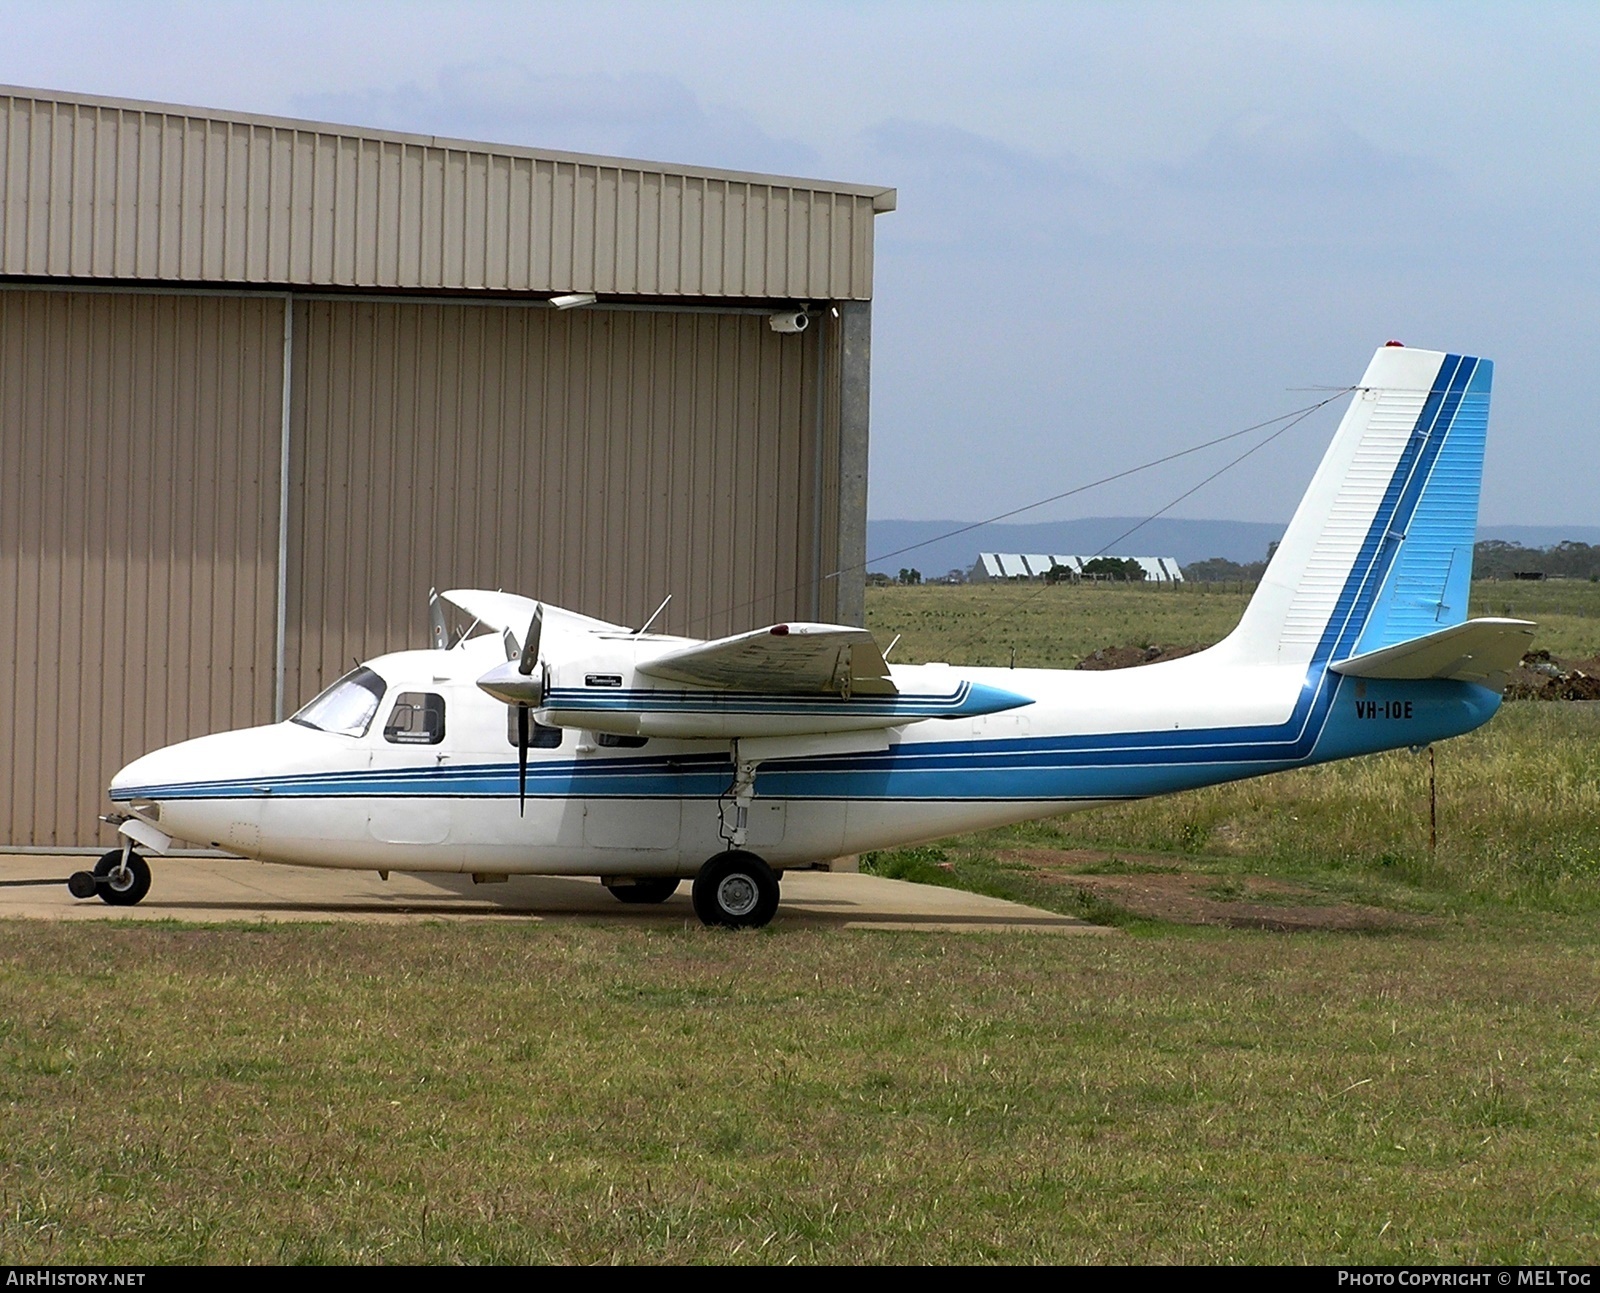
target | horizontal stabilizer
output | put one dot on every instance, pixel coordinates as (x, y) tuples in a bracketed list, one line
[(784, 660), (1470, 652)]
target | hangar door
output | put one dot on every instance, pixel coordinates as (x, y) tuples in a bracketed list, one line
[(139, 443), (598, 459)]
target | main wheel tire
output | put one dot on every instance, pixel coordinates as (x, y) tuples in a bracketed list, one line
[(736, 890), (118, 887), (650, 889)]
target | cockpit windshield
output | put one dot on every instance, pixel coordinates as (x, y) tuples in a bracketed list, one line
[(347, 707)]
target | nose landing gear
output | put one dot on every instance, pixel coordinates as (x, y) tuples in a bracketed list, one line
[(120, 878)]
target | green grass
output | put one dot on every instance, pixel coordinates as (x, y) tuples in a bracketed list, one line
[(1518, 817), (1050, 627), (568, 1092), (1518, 800), (1567, 610), (1055, 627), (600, 1093)]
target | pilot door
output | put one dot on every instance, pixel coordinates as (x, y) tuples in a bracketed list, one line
[(412, 810)]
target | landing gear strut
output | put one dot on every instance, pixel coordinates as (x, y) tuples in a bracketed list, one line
[(120, 878), (741, 793), (736, 890)]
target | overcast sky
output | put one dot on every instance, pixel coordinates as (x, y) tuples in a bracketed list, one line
[(1122, 228)]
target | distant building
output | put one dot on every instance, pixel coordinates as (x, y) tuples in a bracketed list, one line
[(1006, 566)]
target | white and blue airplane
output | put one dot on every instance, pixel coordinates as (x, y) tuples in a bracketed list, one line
[(587, 748)]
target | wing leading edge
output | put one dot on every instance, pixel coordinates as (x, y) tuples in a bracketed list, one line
[(783, 660)]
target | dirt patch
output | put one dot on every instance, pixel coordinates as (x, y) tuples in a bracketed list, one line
[(1127, 657), (1155, 888), (1542, 676)]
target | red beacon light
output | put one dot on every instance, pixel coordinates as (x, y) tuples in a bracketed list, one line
[(780, 630), (1387, 344)]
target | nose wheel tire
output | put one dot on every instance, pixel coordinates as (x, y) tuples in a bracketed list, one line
[(118, 884), (652, 889), (736, 890)]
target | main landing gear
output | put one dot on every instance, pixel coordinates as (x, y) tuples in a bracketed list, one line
[(736, 890), (120, 878)]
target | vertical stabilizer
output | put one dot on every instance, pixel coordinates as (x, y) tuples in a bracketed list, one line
[(1380, 548)]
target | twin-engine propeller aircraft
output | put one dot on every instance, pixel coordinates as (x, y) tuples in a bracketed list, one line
[(585, 748)]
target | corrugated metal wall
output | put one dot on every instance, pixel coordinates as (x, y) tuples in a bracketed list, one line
[(598, 459), (138, 538), (108, 190)]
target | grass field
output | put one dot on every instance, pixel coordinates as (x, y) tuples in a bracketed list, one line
[(1517, 825), (1055, 627), (596, 1094), (1048, 627), (1567, 611), (1420, 1086)]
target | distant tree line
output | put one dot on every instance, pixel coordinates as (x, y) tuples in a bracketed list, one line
[(1497, 559), (1125, 569), (1491, 559), (1219, 570)]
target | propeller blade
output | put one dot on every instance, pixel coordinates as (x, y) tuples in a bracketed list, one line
[(530, 648), (522, 760)]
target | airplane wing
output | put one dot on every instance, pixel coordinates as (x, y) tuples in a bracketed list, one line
[(783, 660), (1471, 652), (499, 611)]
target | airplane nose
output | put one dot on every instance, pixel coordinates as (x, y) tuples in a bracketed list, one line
[(148, 775), (208, 760)]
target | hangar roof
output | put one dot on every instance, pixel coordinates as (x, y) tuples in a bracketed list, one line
[(108, 189)]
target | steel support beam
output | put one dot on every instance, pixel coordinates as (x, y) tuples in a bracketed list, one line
[(855, 384), (281, 636)]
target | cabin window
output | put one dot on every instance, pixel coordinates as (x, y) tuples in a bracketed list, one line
[(540, 737), (347, 707), (615, 742), (416, 719)]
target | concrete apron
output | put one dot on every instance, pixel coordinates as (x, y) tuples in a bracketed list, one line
[(33, 886)]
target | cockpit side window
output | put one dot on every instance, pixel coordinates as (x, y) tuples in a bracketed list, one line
[(347, 707), (416, 719)]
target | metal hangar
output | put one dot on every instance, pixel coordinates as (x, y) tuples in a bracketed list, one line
[(265, 382)]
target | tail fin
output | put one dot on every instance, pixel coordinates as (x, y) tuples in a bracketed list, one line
[(1380, 548)]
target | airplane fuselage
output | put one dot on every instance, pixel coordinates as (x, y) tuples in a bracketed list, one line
[(584, 748), (596, 806)]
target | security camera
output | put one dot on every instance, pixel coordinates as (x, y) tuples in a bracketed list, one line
[(789, 321)]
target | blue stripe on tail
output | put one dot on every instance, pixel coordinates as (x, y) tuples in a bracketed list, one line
[(1425, 584)]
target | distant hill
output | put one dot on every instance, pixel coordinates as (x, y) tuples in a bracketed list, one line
[(1188, 541), (1540, 536)]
